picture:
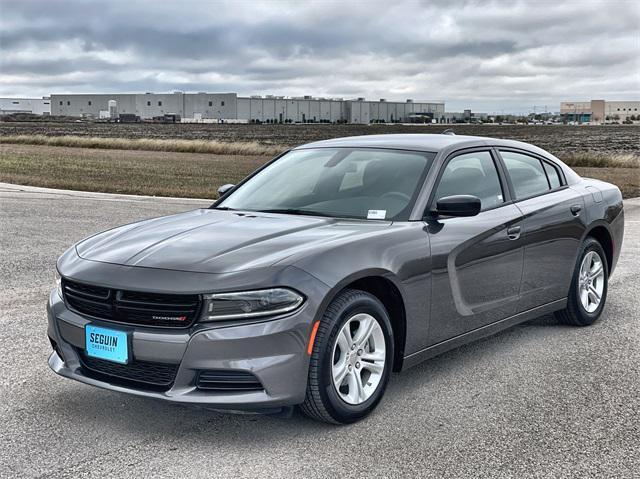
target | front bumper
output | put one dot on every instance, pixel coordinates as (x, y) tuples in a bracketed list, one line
[(274, 351)]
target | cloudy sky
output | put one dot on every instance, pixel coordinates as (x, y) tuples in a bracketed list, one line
[(490, 56)]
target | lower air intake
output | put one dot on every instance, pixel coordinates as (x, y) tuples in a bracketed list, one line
[(228, 381), (141, 374)]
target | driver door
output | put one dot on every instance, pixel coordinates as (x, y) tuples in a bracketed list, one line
[(477, 261)]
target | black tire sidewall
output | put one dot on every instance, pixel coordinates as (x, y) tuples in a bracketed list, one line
[(336, 407), (584, 317)]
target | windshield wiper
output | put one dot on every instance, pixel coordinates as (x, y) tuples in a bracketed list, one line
[(295, 211), (225, 208)]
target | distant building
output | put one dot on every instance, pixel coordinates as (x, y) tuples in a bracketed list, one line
[(599, 111), (230, 107), (36, 106), (466, 116)]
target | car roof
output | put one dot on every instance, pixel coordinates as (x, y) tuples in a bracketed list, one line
[(416, 141)]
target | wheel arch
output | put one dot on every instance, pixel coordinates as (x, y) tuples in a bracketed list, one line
[(600, 231), (386, 287)]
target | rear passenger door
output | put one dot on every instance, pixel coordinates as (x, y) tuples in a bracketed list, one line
[(552, 226), (476, 261)]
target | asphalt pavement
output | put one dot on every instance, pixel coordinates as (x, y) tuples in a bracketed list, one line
[(539, 400)]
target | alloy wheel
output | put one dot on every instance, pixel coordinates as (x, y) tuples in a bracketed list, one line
[(359, 355), (591, 281)]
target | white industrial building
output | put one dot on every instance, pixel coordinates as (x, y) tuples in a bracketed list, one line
[(466, 116), (230, 107), (36, 106)]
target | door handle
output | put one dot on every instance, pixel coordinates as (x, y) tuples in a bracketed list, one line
[(575, 210), (513, 232)]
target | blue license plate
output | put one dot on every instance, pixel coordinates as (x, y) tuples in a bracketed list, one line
[(106, 344)]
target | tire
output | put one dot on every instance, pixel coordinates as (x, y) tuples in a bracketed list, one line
[(328, 403), (576, 314)]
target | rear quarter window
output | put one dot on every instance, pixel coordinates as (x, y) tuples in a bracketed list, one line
[(553, 175)]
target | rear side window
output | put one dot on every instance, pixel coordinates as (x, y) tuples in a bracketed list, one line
[(527, 174), (472, 174)]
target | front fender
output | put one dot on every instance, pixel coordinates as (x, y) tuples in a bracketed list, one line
[(401, 256)]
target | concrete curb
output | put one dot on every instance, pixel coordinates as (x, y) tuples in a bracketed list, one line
[(11, 188)]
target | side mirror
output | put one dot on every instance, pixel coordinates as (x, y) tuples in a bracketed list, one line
[(458, 205), (224, 189)]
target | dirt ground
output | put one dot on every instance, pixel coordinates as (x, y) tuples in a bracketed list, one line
[(557, 139)]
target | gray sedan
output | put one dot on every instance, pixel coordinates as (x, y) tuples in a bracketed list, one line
[(335, 264)]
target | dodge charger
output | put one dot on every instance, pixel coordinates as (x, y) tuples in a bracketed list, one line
[(335, 264)]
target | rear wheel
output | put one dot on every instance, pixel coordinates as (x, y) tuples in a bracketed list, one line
[(351, 359), (588, 292)]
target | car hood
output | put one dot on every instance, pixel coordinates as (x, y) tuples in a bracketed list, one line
[(218, 241)]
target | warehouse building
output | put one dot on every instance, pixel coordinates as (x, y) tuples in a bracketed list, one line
[(600, 111), (147, 105), (278, 109), (230, 107), (35, 106), (466, 116)]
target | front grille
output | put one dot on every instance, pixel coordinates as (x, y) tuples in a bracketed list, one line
[(146, 374), (228, 381), (132, 307)]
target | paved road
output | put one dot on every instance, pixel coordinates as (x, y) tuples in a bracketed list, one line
[(540, 400)]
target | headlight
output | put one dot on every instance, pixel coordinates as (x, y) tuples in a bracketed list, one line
[(249, 304), (58, 280)]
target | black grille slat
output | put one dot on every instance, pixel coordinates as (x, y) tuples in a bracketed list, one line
[(147, 374), (153, 298), (82, 299), (132, 307), (156, 308), (87, 294), (143, 304), (86, 288), (228, 381), (93, 311)]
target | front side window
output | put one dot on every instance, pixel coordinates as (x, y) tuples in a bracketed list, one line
[(360, 183), (527, 174), (472, 174)]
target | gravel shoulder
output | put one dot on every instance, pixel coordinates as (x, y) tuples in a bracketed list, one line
[(539, 400)]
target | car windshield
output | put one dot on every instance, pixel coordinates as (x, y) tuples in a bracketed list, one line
[(360, 183)]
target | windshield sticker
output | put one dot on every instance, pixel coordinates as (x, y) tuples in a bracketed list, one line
[(376, 214)]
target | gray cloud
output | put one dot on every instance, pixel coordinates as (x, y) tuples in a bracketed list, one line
[(498, 55)]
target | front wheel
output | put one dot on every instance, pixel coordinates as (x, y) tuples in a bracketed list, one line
[(588, 292), (351, 359)]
